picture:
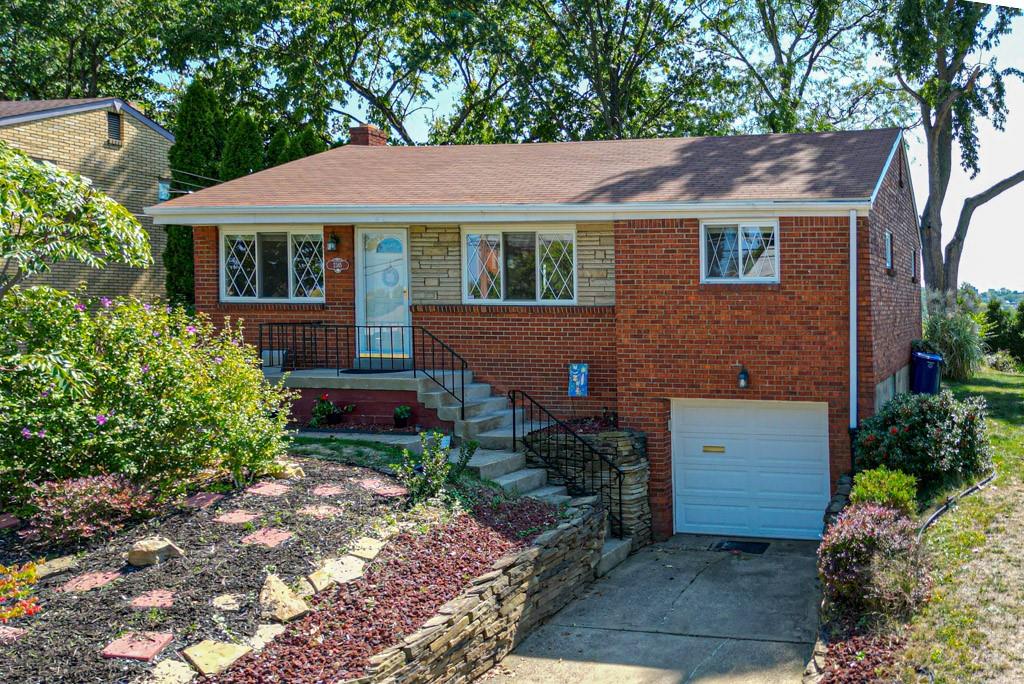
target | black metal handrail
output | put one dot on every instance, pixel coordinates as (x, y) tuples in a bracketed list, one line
[(584, 469), (344, 348)]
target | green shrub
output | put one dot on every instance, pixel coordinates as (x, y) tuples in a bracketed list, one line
[(1003, 361), (960, 341), (94, 388), (885, 487), (857, 558), (936, 438), (76, 510), (431, 474)]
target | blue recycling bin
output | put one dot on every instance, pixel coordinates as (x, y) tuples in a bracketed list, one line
[(925, 373)]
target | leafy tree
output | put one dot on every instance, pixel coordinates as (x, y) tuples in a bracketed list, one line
[(195, 159), (48, 215), (938, 53), (277, 147), (802, 63), (999, 323), (243, 148), (1016, 343)]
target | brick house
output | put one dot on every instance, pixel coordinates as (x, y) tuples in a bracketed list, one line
[(122, 151), (744, 301)]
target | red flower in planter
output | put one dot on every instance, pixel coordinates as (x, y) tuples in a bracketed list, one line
[(894, 430), (323, 397)]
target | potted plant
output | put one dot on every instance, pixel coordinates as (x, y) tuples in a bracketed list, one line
[(326, 412), (402, 415)]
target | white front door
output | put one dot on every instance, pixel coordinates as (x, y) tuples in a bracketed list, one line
[(750, 468), (382, 293)]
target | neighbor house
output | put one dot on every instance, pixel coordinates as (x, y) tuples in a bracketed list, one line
[(743, 301), (124, 154)]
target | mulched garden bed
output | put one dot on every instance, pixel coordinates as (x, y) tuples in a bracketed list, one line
[(412, 577), (63, 642), (861, 659)]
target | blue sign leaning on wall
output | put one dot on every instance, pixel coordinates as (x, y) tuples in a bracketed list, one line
[(579, 379)]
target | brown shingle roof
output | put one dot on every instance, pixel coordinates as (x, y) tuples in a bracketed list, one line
[(814, 166), (19, 107), (19, 111)]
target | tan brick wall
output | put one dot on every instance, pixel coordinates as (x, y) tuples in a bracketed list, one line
[(128, 173), (436, 264)]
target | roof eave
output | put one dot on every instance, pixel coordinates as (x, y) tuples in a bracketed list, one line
[(105, 103)]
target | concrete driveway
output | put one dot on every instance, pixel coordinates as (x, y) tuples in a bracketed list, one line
[(678, 612)]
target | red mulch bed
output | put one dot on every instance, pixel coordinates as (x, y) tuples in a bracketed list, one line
[(413, 577), (860, 659)]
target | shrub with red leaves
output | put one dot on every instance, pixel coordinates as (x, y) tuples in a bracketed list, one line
[(71, 511), (860, 659)]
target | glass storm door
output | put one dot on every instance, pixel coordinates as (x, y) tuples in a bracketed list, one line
[(382, 303)]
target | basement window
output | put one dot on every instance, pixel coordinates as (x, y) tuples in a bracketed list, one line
[(520, 266), (114, 128), (745, 252), (283, 266)]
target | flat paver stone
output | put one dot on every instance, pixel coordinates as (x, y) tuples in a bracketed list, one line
[(321, 512), (382, 488), (172, 672), (203, 499), (336, 571), (328, 490), (9, 521), (9, 634), (56, 567), (157, 598), (268, 489), (237, 517), (264, 635), (231, 603), (367, 548), (268, 536), (138, 645), (211, 657), (90, 580)]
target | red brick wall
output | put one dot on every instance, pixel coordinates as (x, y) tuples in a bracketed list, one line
[(896, 294), (376, 407), (680, 339), (530, 348)]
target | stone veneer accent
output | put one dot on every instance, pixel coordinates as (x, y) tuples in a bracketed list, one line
[(840, 500), (474, 631), (436, 264)]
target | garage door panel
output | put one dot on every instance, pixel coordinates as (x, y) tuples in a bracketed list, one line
[(788, 484), (716, 515), (714, 448), (700, 482)]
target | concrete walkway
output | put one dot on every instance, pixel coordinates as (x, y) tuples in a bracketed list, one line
[(677, 612)]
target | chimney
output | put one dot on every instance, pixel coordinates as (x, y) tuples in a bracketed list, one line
[(366, 135)]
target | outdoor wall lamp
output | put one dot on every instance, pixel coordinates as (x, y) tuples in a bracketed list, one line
[(332, 243), (743, 378)]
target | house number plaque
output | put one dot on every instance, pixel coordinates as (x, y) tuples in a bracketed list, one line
[(337, 264)]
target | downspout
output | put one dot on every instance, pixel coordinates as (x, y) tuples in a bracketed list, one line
[(853, 330)]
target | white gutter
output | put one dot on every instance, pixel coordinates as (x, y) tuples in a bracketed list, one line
[(853, 319), (495, 213)]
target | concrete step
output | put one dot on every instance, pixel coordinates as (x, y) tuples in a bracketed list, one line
[(476, 425), (474, 407), (432, 395), (553, 494), (523, 480), (499, 438), (613, 552), (492, 464)]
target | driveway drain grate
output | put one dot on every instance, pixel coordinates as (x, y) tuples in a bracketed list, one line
[(741, 546)]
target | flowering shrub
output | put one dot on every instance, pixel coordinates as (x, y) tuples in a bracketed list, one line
[(935, 438), (885, 487), (72, 511), (323, 408), (865, 538), (127, 388), (428, 475), (16, 585)]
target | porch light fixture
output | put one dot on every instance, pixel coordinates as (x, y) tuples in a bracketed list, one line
[(332, 243), (743, 378)]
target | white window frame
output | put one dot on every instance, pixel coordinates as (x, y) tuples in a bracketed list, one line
[(740, 225), (888, 249), (253, 231), (539, 229)]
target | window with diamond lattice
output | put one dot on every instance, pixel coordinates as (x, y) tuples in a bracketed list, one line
[(740, 252), (277, 265), (307, 266), (240, 265), (520, 266)]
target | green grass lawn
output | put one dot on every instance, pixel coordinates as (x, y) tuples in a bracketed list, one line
[(970, 629)]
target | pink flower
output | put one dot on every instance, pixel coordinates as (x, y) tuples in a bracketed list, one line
[(26, 433), (79, 306), (105, 301), (41, 433), (101, 419), (191, 330), (147, 307), (145, 368), (218, 360)]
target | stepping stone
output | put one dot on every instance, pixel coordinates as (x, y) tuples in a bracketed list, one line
[(268, 536), (158, 598), (9, 521), (138, 645), (211, 657), (321, 512), (9, 634), (367, 548), (237, 517), (268, 489), (382, 488), (203, 499), (231, 603), (56, 566), (288, 470), (279, 602), (264, 635), (328, 490), (172, 672), (153, 551), (336, 571), (90, 580)]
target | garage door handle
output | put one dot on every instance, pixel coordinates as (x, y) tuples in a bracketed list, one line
[(713, 449)]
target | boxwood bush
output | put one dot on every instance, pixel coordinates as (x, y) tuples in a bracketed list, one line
[(121, 387), (935, 438), (886, 487)]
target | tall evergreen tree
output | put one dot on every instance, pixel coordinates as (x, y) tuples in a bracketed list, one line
[(277, 148), (999, 322), (292, 150), (243, 148), (194, 159), (310, 142), (1017, 333)]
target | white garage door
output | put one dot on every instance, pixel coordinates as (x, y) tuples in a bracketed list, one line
[(750, 468)]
